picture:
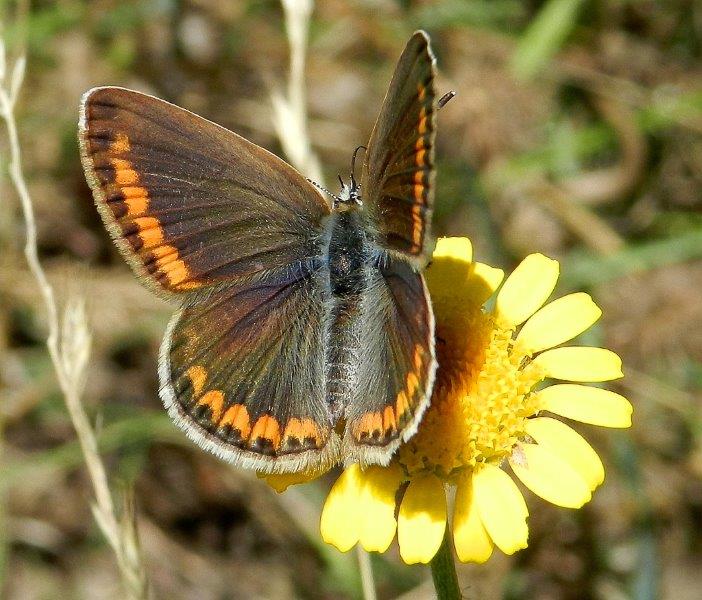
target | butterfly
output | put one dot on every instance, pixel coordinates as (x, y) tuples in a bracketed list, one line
[(304, 334)]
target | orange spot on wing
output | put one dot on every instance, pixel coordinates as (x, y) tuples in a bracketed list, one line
[(134, 191), (389, 419), (421, 92), (215, 400), (164, 254), (137, 205), (124, 174), (150, 231), (189, 285), (418, 190), (176, 271), (369, 423), (417, 225), (174, 268), (422, 126), (268, 428), (401, 404), (301, 429), (136, 199), (238, 417), (197, 375), (417, 359), (121, 144), (412, 383)]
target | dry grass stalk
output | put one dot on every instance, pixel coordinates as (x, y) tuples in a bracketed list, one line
[(290, 109), (69, 342), (291, 123)]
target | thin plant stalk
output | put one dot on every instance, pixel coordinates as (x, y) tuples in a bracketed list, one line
[(291, 119), (443, 571), (290, 109), (366, 569), (68, 343)]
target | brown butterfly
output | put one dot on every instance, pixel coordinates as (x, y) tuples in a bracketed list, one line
[(304, 335)]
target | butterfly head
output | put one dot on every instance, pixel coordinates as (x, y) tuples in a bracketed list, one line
[(350, 193)]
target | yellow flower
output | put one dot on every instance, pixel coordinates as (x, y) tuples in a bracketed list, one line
[(487, 412)]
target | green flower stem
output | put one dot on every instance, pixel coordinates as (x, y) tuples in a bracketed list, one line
[(443, 570)]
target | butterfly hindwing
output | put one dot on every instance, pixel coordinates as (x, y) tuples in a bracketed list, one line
[(395, 372), (244, 372), (398, 171), (188, 202)]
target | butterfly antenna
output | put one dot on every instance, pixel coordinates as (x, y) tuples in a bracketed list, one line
[(444, 100), (325, 190), (353, 165)]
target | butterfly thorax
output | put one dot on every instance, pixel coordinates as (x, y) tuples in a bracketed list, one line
[(348, 254)]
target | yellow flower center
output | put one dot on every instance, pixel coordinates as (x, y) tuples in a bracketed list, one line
[(482, 396)]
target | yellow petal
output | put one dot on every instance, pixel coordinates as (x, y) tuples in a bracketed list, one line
[(341, 513), (586, 404), (501, 508), (377, 506), (526, 289), (549, 476), (283, 481), (458, 248), (580, 363), (472, 542), (558, 322), (564, 442), (483, 282), (450, 272), (422, 519)]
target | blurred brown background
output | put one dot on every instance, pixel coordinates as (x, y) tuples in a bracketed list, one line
[(576, 132)]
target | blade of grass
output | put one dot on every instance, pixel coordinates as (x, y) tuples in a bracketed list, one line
[(588, 269), (140, 429), (544, 36)]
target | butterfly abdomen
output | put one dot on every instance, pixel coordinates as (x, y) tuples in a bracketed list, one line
[(348, 262)]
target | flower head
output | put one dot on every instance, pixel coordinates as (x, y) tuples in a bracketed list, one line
[(487, 413)]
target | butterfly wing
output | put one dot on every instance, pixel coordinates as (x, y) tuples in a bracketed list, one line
[(189, 203), (395, 373), (398, 172), (237, 236), (244, 373)]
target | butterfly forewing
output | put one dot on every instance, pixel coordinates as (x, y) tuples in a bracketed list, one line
[(188, 202), (398, 172)]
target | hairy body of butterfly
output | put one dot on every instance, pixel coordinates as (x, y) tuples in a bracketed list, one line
[(349, 265), (304, 334)]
